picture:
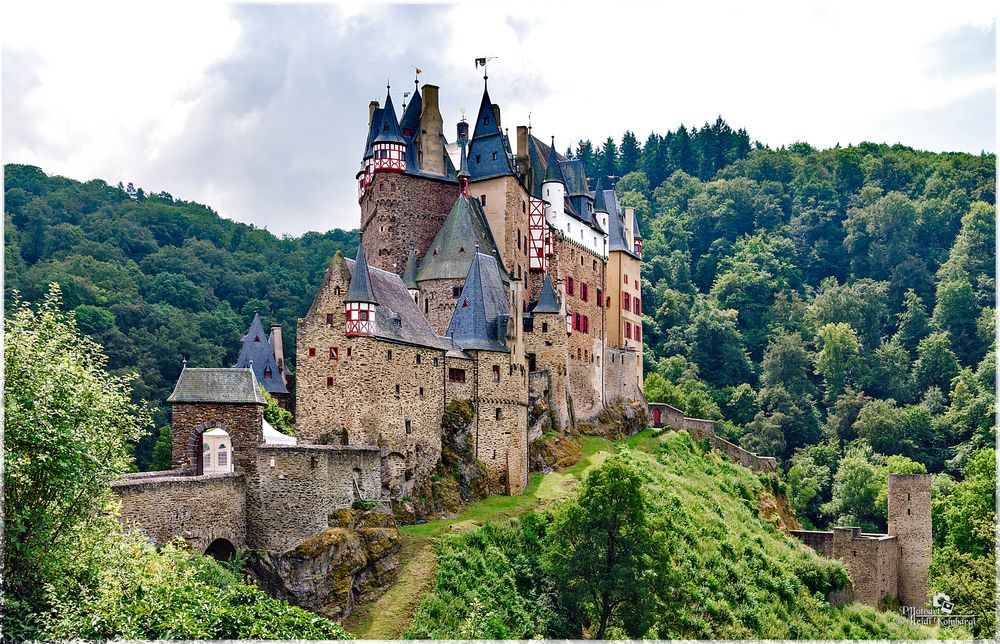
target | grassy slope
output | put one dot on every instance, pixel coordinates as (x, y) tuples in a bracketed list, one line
[(389, 616), (733, 574)]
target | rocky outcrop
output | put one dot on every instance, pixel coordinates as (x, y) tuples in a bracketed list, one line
[(353, 561), (621, 419), (553, 451), (459, 476)]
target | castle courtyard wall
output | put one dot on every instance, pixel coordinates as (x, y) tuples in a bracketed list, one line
[(622, 374)]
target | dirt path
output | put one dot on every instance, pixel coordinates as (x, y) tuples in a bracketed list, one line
[(390, 615)]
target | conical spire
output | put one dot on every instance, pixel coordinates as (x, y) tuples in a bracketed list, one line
[(553, 172), (482, 310), (600, 203), (361, 283), (410, 271), (547, 302), (388, 131), (463, 170), (411, 115), (257, 354), (486, 122)]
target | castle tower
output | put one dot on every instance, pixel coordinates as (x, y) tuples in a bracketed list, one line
[(463, 172), (910, 523), (554, 190), (410, 274), (389, 147), (360, 302), (600, 206)]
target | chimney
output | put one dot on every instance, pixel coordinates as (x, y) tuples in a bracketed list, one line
[(523, 161), (463, 130), (629, 218), (276, 346), (371, 113), (496, 114), (430, 139)]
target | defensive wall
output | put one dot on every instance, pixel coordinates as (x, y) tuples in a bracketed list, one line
[(664, 415)]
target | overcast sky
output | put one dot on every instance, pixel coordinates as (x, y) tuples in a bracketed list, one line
[(260, 111)]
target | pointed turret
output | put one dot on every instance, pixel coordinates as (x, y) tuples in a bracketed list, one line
[(360, 302), (389, 147), (553, 171), (489, 151), (483, 310), (486, 122), (600, 203), (547, 301), (257, 354), (554, 190), (449, 255), (410, 124)]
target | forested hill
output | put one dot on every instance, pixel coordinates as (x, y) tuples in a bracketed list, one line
[(155, 279)]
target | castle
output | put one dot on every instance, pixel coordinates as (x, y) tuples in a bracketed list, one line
[(484, 274)]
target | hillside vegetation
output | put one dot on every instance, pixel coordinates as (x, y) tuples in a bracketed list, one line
[(722, 570)]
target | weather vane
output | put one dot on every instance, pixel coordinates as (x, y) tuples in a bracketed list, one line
[(482, 62)]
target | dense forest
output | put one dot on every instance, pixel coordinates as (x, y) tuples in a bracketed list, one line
[(154, 279), (834, 308)]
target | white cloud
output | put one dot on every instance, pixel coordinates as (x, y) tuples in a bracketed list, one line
[(260, 111)]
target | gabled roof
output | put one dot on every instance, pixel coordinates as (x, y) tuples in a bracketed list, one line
[(397, 317), (450, 254), (411, 115), (547, 300), (388, 130), (482, 311), (257, 353), (410, 270), (361, 284), (225, 386)]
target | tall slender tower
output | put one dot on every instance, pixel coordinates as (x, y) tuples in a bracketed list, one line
[(910, 522)]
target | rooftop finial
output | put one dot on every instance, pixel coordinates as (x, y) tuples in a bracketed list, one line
[(184, 364), (529, 121), (553, 141)]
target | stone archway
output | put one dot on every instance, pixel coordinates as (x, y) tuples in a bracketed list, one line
[(194, 446), (221, 550)]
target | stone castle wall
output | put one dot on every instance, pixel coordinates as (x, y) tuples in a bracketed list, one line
[(549, 343), (584, 349), (243, 423), (506, 210), (501, 423), (374, 392), (300, 485), (437, 301), (400, 210), (200, 509), (622, 374), (909, 500)]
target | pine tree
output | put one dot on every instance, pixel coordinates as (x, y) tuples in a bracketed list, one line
[(629, 159), (648, 159), (608, 166), (585, 152)]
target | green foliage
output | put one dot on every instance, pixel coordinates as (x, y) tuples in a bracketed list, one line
[(163, 449), (71, 572), (839, 349), (601, 555), (723, 570), (278, 417), (936, 363)]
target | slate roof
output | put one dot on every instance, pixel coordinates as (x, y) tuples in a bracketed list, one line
[(569, 172), (450, 254), (217, 386), (257, 353), (553, 171), (489, 149), (361, 284), (397, 317), (547, 300), (388, 130), (372, 132), (635, 226), (482, 311), (600, 202), (411, 116), (575, 177), (617, 239)]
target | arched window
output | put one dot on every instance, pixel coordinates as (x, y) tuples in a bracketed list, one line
[(223, 455), (206, 456)]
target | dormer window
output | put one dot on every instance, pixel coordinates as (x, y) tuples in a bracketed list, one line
[(256, 338), (267, 372)]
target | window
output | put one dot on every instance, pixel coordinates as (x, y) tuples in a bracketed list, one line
[(637, 306), (600, 298), (498, 417), (496, 373), (334, 353), (545, 327), (478, 158), (482, 200), (628, 330), (456, 375), (329, 318), (397, 390), (418, 358), (578, 324), (456, 291), (494, 156), (223, 455), (638, 332), (626, 301), (409, 427), (435, 362), (329, 382), (312, 352), (421, 392), (206, 456), (584, 292), (626, 279), (569, 285), (348, 352), (363, 315), (586, 324), (388, 354), (267, 372)]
